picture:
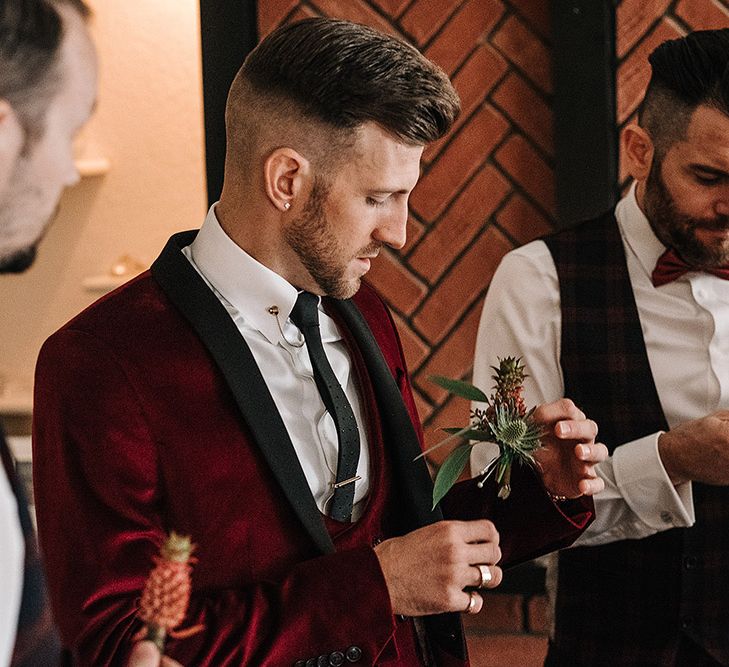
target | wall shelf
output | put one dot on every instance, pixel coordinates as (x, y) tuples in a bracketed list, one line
[(104, 283), (124, 269), (16, 402), (93, 166)]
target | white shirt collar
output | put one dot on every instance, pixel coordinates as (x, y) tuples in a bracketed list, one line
[(637, 232), (249, 286)]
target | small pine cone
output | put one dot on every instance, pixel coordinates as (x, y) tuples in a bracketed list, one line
[(519, 404), (509, 374), (509, 378), (167, 590), (166, 594)]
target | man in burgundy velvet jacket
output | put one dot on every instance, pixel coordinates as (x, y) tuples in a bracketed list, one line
[(188, 401)]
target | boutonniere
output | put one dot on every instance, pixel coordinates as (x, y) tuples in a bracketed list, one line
[(504, 420), (166, 594)]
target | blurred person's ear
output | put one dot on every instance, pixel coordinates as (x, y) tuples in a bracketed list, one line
[(12, 137)]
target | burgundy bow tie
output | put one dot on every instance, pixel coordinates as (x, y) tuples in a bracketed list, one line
[(670, 267)]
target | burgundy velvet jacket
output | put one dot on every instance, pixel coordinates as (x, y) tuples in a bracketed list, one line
[(151, 415)]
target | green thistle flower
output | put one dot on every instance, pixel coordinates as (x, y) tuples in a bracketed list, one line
[(517, 437), (511, 431)]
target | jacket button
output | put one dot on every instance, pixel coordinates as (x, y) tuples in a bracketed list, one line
[(354, 654), (322, 661), (311, 662), (690, 562), (336, 659)]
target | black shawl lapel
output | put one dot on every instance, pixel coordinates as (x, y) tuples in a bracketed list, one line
[(411, 477), (219, 334)]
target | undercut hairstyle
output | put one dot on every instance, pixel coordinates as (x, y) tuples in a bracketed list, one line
[(686, 73), (31, 32), (337, 75)]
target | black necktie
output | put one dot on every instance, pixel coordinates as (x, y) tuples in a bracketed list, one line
[(305, 315)]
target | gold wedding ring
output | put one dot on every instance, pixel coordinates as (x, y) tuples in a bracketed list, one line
[(472, 602), (485, 573)]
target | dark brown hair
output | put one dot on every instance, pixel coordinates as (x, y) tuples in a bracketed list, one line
[(31, 32), (686, 73), (345, 74)]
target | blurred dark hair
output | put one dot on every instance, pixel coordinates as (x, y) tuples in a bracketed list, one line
[(345, 74), (31, 32), (686, 73)]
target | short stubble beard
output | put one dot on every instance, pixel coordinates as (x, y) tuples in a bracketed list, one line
[(18, 261), (677, 230), (312, 238)]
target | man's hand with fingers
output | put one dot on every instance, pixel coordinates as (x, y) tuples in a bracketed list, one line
[(569, 454), (146, 654), (698, 450), (428, 570)]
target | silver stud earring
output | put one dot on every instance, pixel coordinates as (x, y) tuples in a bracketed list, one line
[(287, 205)]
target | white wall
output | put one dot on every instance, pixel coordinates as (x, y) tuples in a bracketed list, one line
[(149, 124)]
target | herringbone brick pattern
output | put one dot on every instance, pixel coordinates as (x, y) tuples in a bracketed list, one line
[(641, 26), (485, 188)]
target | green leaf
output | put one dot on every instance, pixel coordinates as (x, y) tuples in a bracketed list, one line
[(471, 434), (459, 388), (450, 471), (454, 433)]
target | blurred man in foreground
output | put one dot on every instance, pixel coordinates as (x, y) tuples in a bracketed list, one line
[(47, 91)]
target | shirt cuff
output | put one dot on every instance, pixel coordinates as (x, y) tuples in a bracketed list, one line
[(647, 488)]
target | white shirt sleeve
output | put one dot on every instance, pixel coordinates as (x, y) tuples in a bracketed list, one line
[(521, 317), (12, 555)]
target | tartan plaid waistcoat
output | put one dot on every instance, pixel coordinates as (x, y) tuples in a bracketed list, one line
[(628, 602)]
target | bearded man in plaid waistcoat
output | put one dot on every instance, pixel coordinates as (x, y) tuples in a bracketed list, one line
[(629, 315)]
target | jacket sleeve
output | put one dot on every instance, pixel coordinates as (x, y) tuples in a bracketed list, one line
[(530, 524), (100, 498)]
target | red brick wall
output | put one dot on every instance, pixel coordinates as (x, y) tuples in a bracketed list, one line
[(485, 188), (641, 25)]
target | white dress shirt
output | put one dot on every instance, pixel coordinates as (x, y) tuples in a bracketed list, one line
[(248, 289), (686, 331), (12, 555)]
